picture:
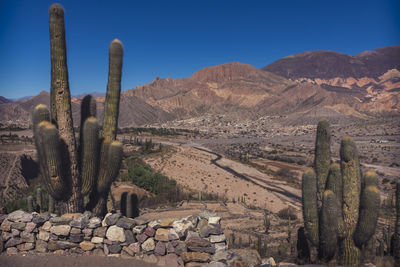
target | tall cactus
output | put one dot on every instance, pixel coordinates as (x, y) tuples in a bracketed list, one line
[(348, 212), (322, 157), (70, 172)]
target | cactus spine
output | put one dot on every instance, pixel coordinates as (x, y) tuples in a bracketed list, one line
[(349, 210), (70, 172)]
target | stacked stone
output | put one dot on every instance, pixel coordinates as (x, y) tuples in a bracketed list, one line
[(196, 240)]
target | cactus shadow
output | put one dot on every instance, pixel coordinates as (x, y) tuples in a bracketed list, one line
[(29, 168)]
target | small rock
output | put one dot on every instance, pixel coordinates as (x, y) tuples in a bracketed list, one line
[(41, 246), (60, 230), (86, 245), (87, 232), (162, 235), (55, 245), (6, 235), (75, 231), (154, 224), (205, 231), (141, 238), (77, 238), (150, 231), (192, 235), (135, 247), (53, 236), (197, 242), (12, 250), (214, 220), (217, 238), (97, 240), (139, 229), (270, 261), (170, 248), (12, 242), (94, 222), (98, 252), (220, 246), (46, 226), (195, 256), (29, 246), (148, 245), (80, 222), (41, 219), (160, 248), (100, 232), (180, 248), (30, 226), (195, 264), (105, 249), (114, 248), (103, 222), (130, 238), (6, 225), (115, 233), (27, 237), (167, 223), (182, 226), (60, 220), (43, 235), (126, 223), (112, 219), (15, 232), (128, 251), (172, 234), (3, 217), (106, 241), (19, 216)]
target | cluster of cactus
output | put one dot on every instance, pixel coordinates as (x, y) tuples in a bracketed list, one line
[(38, 204), (340, 206), (129, 205), (70, 172)]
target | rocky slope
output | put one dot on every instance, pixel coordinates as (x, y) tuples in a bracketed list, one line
[(133, 111)]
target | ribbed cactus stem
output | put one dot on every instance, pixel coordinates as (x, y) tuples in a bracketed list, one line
[(51, 161), (29, 204), (129, 206), (40, 113), (368, 218), (335, 183), (39, 199), (51, 204), (123, 202), (370, 178), (322, 157), (61, 98), (328, 226), (109, 169), (89, 157), (350, 168), (111, 107), (310, 211)]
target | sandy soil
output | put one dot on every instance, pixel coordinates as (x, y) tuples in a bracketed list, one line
[(194, 169)]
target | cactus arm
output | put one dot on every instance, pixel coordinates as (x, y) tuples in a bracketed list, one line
[(368, 218), (89, 158), (310, 211), (111, 107), (350, 168), (322, 158), (328, 226), (60, 87), (51, 161)]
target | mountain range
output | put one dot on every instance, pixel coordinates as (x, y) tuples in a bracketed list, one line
[(318, 83)]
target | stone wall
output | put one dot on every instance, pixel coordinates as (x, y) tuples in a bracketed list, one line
[(196, 240)]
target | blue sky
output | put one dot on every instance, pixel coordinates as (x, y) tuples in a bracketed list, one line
[(176, 38)]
